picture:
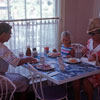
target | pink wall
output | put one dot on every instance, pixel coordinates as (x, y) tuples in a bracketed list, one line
[(77, 15)]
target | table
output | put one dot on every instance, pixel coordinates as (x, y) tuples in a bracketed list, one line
[(72, 71)]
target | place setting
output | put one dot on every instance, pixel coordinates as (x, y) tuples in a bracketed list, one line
[(72, 60), (55, 53)]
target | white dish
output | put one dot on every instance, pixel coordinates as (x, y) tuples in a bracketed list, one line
[(35, 62), (45, 67), (85, 60), (72, 60), (56, 54)]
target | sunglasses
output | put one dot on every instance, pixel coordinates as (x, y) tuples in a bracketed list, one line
[(93, 33)]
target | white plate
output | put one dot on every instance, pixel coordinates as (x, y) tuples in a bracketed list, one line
[(45, 67), (72, 60), (84, 59), (36, 61), (54, 54)]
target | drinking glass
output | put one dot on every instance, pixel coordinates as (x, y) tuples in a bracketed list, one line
[(42, 60), (62, 67), (60, 60)]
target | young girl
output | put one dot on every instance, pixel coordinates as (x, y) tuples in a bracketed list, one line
[(66, 48)]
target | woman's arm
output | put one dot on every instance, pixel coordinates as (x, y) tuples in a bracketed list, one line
[(26, 60)]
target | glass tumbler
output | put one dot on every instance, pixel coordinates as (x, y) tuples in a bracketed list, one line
[(42, 60), (60, 60)]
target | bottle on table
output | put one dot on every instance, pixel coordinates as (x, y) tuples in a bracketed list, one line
[(28, 51), (35, 53)]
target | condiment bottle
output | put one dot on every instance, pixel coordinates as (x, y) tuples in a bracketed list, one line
[(28, 51), (35, 53)]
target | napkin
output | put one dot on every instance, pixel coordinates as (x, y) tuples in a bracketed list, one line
[(84, 59), (53, 73)]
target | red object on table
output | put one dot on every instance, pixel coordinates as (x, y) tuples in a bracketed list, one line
[(46, 50)]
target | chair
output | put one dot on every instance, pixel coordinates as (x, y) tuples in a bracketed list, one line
[(78, 48), (7, 88), (52, 92)]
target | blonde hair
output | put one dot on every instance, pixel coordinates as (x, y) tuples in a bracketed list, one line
[(64, 34)]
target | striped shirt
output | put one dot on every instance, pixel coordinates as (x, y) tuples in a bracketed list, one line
[(65, 50)]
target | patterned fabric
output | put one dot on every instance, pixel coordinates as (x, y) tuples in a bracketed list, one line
[(90, 44), (95, 79), (65, 51), (20, 81), (90, 47), (6, 58)]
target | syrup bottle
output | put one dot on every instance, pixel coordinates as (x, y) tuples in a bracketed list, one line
[(28, 51)]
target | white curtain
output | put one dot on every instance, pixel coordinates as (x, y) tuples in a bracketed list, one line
[(35, 33), (34, 23)]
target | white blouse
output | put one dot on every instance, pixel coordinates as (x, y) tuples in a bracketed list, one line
[(90, 46), (7, 57)]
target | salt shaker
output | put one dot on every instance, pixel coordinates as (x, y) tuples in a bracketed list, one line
[(34, 54)]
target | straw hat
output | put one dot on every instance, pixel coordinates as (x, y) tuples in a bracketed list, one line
[(94, 25)]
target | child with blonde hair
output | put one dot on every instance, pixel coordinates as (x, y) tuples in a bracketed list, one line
[(66, 48)]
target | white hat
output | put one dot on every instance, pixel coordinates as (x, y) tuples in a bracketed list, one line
[(94, 25)]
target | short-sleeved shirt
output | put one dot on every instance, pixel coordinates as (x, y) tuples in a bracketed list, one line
[(7, 57), (65, 50)]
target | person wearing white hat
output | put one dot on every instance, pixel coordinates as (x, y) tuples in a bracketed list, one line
[(93, 45)]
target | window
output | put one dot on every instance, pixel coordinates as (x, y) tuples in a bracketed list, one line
[(33, 23), (26, 9)]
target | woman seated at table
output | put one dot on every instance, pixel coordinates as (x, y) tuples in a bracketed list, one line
[(7, 57), (93, 45)]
